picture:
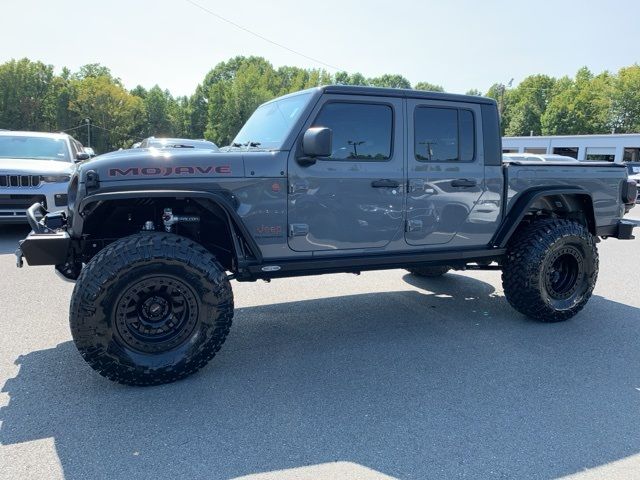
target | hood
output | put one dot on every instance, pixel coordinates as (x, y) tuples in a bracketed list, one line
[(165, 163), (22, 166)]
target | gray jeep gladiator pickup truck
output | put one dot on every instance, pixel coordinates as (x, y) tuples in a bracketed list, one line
[(332, 179)]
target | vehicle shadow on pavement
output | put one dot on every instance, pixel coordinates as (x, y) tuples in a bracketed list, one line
[(412, 384), (10, 235)]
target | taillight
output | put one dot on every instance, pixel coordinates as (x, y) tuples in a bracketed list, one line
[(629, 192)]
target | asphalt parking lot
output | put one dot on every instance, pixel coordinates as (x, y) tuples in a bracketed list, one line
[(377, 376)]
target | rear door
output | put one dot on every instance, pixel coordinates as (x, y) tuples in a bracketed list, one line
[(353, 199), (445, 170)]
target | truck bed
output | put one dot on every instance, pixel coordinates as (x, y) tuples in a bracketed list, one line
[(601, 180)]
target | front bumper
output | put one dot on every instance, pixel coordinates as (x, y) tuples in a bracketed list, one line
[(43, 249), (48, 243), (14, 201)]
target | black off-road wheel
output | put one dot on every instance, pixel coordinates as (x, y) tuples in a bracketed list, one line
[(429, 272), (151, 308), (551, 269)]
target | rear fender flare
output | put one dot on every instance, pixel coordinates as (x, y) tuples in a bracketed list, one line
[(529, 197)]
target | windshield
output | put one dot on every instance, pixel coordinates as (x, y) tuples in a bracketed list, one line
[(270, 124), (35, 148)]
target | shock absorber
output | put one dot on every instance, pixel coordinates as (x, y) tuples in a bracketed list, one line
[(169, 219)]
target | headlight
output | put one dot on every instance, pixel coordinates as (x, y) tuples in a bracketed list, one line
[(55, 178)]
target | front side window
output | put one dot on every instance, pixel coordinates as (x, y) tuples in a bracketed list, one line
[(361, 131), (444, 135)]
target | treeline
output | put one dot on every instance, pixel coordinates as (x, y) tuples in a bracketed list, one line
[(34, 97), (585, 104)]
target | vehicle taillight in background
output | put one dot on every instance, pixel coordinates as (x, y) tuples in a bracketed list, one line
[(629, 192)]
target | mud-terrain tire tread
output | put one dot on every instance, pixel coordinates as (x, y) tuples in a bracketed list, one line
[(522, 269), (104, 270)]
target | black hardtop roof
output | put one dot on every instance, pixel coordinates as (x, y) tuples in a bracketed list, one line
[(405, 93)]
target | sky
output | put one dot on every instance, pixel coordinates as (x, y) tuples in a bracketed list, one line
[(459, 44)]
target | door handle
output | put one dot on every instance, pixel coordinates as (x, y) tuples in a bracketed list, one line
[(463, 182), (385, 183)]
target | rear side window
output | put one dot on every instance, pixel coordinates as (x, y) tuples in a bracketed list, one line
[(361, 131), (444, 135)]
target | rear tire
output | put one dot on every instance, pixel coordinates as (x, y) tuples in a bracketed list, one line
[(429, 272), (550, 270), (151, 308)]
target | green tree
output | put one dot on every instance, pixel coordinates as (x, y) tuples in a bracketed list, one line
[(27, 96), (318, 78), (179, 116), (502, 95), (626, 100), (344, 78), (63, 92), (227, 71), (114, 111), (94, 70), (390, 81), (239, 90), (33, 97), (527, 103), (197, 110), (157, 106), (139, 91), (581, 106), (431, 87), (291, 79)]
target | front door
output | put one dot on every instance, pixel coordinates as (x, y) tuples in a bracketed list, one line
[(353, 199), (445, 172)]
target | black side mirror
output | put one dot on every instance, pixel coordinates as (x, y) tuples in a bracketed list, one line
[(80, 156), (316, 142)]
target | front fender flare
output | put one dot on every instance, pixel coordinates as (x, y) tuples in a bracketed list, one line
[(221, 199)]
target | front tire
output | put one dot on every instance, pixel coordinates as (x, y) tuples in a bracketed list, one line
[(551, 269), (150, 309)]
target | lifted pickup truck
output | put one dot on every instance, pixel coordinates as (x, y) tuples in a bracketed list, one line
[(333, 179)]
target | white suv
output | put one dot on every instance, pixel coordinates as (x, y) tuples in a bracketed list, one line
[(35, 167)]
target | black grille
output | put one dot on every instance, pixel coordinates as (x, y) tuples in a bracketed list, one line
[(20, 202), (13, 181)]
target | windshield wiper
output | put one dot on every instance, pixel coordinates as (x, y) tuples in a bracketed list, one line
[(246, 145)]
